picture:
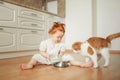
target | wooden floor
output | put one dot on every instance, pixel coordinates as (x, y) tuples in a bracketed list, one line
[(9, 70)]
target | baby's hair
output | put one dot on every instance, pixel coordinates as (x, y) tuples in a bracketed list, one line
[(57, 26)]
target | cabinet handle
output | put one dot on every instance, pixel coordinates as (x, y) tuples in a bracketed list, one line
[(1, 2), (1, 29), (34, 25), (33, 14), (34, 31)]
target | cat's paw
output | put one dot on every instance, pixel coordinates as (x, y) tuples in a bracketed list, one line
[(105, 66), (95, 66)]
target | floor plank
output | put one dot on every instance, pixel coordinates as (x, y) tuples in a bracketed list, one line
[(9, 70)]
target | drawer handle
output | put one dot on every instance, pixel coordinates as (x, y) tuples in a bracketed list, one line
[(35, 15), (1, 2), (1, 29), (34, 25), (34, 31)]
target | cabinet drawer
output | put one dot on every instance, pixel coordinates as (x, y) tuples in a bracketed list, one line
[(24, 12), (31, 24)]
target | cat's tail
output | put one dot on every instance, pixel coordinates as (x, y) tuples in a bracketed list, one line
[(112, 36)]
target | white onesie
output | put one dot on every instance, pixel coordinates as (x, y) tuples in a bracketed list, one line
[(52, 50)]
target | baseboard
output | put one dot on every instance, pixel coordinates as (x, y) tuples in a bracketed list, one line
[(19, 51), (67, 51), (111, 51), (115, 51)]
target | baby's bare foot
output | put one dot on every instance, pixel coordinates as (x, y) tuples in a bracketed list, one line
[(88, 64), (25, 67)]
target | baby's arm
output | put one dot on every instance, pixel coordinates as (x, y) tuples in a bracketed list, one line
[(61, 53), (45, 55)]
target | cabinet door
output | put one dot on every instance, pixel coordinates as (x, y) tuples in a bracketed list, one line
[(7, 39), (8, 14), (29, 39)]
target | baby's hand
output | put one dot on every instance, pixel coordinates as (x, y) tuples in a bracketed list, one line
[(47, 56), (60, 57)]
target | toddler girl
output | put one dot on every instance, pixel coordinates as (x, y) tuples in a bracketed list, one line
[(51, 48)]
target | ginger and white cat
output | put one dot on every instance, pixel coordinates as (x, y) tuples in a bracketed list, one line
[(95, 45)]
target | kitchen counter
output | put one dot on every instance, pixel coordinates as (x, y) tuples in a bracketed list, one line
[(31, 4)]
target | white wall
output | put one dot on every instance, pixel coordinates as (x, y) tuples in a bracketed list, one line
[(78, 21), (108, 20)]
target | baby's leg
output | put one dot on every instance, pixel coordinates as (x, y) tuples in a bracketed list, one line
[(88, 64), (29, 65), (82, 64), (74, 62)]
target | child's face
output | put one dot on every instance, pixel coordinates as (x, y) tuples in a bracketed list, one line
[(57, 37)]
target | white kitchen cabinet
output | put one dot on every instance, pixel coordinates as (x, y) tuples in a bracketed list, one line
[(29, 39), (7, 39), (8, 14), (22, 28), (31, 30)]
